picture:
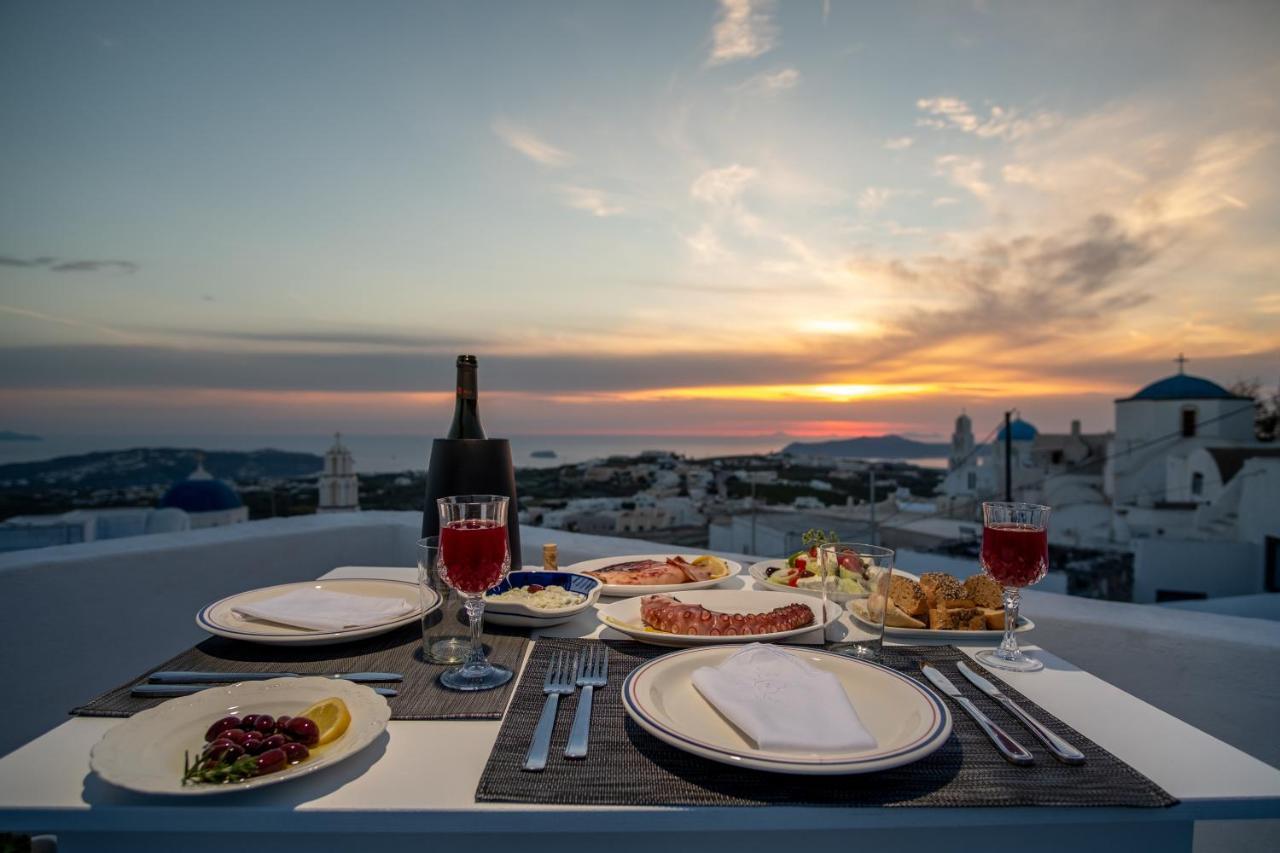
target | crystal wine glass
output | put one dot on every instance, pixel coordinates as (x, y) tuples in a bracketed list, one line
[(474, 558), (1015, 553)]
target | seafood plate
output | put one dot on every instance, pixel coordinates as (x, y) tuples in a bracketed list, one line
[(715, 616), (646, 574)]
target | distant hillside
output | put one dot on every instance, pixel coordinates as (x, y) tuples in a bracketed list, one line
[(150, 466), (10, 435), (869, 447)]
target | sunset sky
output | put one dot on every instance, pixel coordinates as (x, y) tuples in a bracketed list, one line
[(644, 218)]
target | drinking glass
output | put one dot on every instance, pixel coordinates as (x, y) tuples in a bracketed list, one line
[(439, 647), (867, 570), (474, 557), (1015, 553)]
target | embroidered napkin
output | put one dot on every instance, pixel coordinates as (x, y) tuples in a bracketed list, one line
[(783, 703), (324, 610)]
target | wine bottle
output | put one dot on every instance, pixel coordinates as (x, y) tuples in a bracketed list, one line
[(466, 406)]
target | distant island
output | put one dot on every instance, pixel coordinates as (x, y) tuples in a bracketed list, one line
[(870, 447), (543, 454), (157, 466), (9, 435)]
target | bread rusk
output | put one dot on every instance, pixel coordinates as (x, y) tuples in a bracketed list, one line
[(984, 591), (940, 586), (962, 619), (895, 617), (908, 596), (994, 618)]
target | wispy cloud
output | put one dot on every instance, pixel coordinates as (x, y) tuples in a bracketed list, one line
[(1000, 123), (899, 143), (722, 186), (770, 82), (65, 321), (744, 30), (593, 201), (873, 198), (964, 172), (530, 144), (55, 265)]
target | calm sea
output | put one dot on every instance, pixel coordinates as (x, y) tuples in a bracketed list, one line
[(389, 453)]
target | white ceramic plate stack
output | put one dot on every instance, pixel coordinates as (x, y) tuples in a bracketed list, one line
[(618, 590), (144, 753), (220, 617), (624, 616), (907, 721)]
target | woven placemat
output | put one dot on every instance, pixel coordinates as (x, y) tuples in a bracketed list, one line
[(420, 695), (628, 766)]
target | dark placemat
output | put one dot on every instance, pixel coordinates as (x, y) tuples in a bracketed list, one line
[(420, 695), (628, 766)]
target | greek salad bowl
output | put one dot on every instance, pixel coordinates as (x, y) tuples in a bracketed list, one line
[(539, 589)]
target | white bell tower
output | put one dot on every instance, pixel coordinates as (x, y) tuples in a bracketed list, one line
[(339, 485)]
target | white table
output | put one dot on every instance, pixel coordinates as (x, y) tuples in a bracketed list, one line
[(413, 791)]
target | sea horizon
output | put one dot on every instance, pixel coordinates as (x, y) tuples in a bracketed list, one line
[(390, 453)]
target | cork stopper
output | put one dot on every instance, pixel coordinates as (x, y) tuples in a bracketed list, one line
[(550, 560)]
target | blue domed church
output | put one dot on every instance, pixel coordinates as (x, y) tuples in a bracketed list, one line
[(208, 501)]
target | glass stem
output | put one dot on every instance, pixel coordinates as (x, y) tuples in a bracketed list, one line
[(1009, 645), (475, 618)]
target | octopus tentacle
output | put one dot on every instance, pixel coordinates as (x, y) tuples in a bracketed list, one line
[(667, 613)]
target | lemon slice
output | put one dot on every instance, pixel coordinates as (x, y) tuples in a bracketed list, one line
[(330, 716), (719, 567)]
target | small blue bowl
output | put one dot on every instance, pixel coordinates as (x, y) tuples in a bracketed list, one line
[(520, 615)]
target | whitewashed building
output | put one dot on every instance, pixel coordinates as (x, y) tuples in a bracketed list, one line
[(339, 486)]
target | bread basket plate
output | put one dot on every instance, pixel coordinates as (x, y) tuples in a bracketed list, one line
[(907, 720), (858, 609)]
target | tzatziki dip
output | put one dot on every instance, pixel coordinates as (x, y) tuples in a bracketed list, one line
[(539, 597)]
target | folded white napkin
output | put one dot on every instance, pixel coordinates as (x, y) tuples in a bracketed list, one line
[(782, 702), (323, 610)]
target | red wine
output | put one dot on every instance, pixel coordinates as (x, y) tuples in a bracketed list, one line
[(1015, 554), (473, 552), (466, 403)]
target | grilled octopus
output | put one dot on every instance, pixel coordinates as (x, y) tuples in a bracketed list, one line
[(666, 613)]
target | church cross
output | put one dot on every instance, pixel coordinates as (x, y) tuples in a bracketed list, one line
[(1181, 361)]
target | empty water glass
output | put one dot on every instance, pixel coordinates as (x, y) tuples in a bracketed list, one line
[(444, 633)]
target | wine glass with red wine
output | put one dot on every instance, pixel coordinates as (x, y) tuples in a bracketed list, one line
[(474, 558), (1015, 553)]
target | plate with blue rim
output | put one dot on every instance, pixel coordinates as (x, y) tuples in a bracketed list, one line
[(908, 721), (526, 615), (220, 617)]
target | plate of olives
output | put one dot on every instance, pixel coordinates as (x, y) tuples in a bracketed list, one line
[(246, 735)]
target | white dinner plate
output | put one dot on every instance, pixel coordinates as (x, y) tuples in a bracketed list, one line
[(145, 752), (221, 619), (757, 571), (907, 721), (618, 590), (624, 615), (858, 610)]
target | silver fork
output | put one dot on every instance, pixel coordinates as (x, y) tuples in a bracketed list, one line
[(562, 672), (595, 673)]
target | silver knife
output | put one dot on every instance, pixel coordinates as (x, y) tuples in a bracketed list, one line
[(232, 677), (1013, 751), (167, 690), (1063, 751)]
